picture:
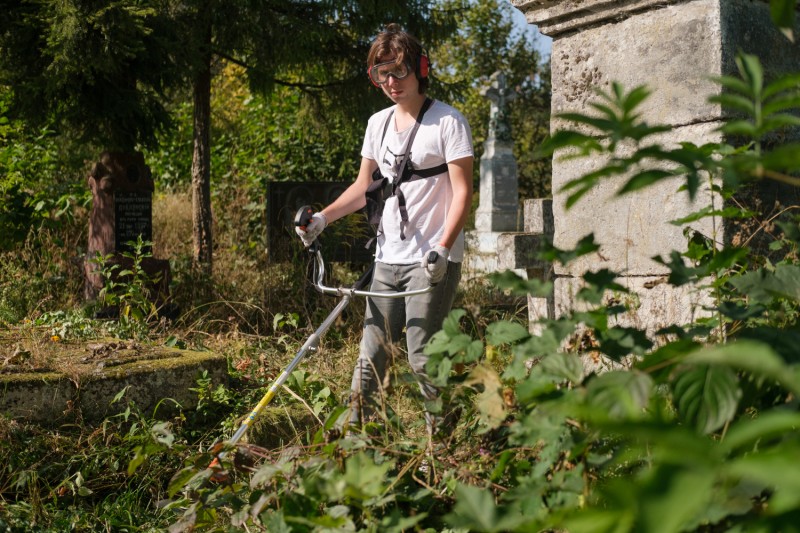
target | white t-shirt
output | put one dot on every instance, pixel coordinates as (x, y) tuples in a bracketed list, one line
[(443, 136)]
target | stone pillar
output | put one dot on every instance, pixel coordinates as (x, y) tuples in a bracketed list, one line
[(498, 203), (673, 47)]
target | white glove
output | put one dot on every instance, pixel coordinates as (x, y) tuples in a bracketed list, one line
[(313, 229), (435, 264)]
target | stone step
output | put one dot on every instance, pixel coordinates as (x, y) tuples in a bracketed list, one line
[(56, 398)]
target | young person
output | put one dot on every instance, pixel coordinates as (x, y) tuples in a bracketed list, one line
[(420, 238)]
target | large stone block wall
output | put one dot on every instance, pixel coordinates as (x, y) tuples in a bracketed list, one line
[(674, 48)]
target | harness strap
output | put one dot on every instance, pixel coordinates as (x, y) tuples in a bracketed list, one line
[(407, 174)]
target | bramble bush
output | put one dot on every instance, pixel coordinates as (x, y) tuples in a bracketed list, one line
[(699, 434)]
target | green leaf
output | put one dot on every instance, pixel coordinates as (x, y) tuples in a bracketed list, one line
[(749, 432), (563, 365), (452, 324), (618, 342), (754, 357), (750, 69), (643, 179), (475, 510), (585, 246), (776, 468), (783, 15), (509, 280), (620, 394), (706, 396), (363, 478), (671, 496), (735, 101), (764, 286), (505, 332), (788, 82), (635, 97)]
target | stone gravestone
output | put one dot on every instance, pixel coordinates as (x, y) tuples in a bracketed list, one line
[(122, 211), (498, 203), (674, 48)]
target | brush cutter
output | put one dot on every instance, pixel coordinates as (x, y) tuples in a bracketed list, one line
[(302, 219)]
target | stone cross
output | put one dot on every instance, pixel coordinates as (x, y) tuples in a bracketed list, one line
[(500, 96), (498, 206), (499, 197)]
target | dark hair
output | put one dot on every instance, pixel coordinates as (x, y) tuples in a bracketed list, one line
[(393, 41)]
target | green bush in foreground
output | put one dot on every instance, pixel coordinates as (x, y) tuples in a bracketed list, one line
[(699, 434)]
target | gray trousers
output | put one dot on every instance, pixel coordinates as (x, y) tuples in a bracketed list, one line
[(385, 318)]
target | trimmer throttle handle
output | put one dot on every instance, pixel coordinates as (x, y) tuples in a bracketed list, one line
[(303, 217), (433, 256)]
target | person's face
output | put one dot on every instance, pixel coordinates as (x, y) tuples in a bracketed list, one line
[(399, 82)]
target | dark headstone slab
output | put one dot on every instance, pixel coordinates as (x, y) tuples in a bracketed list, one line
[(133, 218), (343, 242)]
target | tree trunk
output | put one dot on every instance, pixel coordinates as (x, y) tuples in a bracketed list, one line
[(201, 172)]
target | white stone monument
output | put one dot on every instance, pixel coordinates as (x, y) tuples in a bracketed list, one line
[(498, 206)]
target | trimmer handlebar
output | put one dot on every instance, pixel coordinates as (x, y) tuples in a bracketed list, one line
[(303, 217), (301, 220)]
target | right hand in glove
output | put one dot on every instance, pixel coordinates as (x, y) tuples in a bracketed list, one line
[(435, 264), (310, 233)]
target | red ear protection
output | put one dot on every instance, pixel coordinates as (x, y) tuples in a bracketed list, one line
[(424, 65)]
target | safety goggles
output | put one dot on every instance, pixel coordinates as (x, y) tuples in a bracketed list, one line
[(379, 74)]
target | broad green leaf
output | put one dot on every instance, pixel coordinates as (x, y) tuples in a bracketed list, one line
[(749, 432), (397, 522), (620, 394), (777, 468), (680, 273), (505, 332), (708, 211), (636, 96), (662, 360), (734, 84), (706, 397), (584, 144), (452, 323), (601, 124), (563, 365), (764, 286), (670, 497), (618, 342), (363, 478), (475, 510), (753, 357), (594, 520)]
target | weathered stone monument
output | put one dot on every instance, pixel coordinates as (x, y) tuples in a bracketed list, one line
[(499, 197), (674, 48), (122, 211)]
